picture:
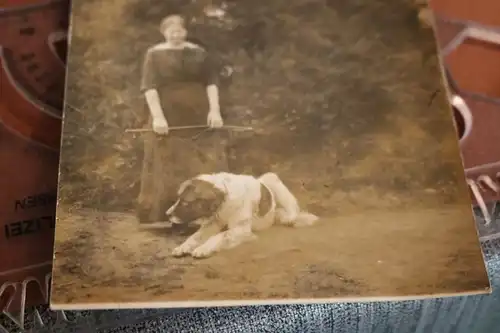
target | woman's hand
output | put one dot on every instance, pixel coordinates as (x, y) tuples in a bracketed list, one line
[(214, 119), (160, 125)]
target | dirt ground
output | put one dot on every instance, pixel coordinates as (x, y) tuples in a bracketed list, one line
[(107, 257)]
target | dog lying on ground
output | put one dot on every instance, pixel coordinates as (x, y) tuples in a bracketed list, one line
[(229, 208)]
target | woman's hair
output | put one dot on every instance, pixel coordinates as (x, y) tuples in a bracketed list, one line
[(170, 20)]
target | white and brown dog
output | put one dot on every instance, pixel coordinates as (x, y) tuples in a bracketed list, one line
[(230, 208)]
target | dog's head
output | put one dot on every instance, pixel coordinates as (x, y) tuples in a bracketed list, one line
[(196, 199)]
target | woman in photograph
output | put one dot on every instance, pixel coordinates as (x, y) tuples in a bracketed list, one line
[(180, 85)]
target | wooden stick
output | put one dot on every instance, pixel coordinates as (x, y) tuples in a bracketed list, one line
[(173, 128)]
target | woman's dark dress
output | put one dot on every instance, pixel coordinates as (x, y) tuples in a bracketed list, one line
[(181, 78)]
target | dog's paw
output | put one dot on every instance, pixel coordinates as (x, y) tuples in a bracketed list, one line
[(305, 219), (285, 217), (181, 251), (202, 252)]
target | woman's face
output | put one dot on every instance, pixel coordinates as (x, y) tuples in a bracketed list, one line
[(175, 34)]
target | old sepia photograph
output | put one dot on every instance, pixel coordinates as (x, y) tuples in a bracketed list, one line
[(257, 152)]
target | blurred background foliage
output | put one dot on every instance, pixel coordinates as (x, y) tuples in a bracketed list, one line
[(345, 97)]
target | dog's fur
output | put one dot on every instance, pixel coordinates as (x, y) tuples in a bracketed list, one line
[(230, 208)]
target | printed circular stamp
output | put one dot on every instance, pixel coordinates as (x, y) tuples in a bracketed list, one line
[(32, 69)]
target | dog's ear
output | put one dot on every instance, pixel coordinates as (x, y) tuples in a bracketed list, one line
[(209, 193), (217, 199), (183, 186), (203, 189)]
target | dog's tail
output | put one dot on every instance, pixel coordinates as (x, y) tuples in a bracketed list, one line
[(288, 210)]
